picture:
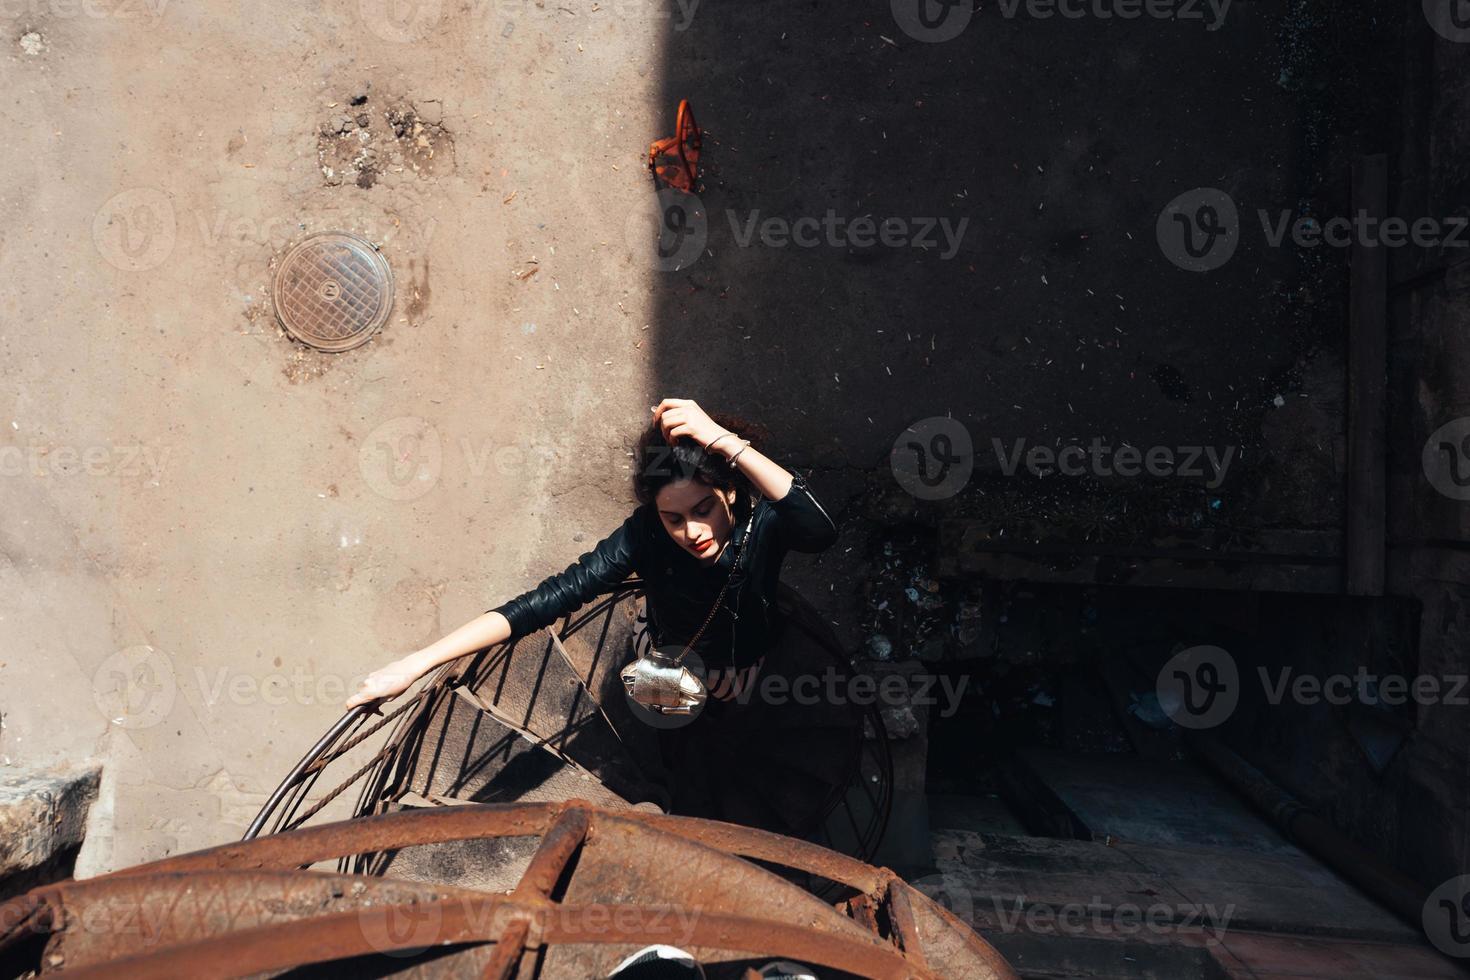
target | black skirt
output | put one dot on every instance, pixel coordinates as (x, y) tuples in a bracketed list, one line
[(781, 754)]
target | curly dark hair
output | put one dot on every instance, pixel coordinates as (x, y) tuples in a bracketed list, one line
[(657, 464)]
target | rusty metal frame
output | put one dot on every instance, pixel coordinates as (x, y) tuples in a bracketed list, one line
[(876, 932)]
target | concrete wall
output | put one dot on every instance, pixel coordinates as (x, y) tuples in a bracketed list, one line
[(1415, 810)]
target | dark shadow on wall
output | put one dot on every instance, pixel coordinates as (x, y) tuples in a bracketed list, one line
[(1026, 289), (1022, 289)]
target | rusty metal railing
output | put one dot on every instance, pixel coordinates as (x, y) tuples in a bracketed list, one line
[(598, 884), (388, 765)]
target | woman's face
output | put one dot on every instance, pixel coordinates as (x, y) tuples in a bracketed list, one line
[(697, 517)]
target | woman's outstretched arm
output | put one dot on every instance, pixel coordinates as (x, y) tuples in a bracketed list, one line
[(394, 678), (598, 571)]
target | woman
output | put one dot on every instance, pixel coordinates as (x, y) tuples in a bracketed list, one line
[(700, 484)]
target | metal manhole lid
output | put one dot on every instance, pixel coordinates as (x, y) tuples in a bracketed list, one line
[(332, 291)]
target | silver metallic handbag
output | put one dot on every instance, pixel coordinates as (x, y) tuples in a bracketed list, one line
[(662, 683)]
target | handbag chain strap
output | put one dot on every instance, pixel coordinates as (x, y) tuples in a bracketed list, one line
[(734, 567)]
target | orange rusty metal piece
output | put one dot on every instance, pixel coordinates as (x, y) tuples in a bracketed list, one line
[(675, 160), (601, 883)]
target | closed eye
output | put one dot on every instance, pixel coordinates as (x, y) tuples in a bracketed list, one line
[(701, 510)]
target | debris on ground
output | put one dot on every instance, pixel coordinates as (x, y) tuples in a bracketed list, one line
[(360, 143)]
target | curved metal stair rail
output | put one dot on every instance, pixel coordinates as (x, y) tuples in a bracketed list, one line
[(544, 705)]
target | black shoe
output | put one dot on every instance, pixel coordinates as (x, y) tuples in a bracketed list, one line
[(658, 963), (786, 970)]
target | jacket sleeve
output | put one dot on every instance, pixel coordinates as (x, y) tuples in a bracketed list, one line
[(595, 573), (802, 524)]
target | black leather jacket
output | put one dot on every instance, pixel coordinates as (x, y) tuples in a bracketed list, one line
[(680, 590)]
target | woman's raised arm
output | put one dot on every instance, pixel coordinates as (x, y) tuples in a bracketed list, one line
[(678, 417)]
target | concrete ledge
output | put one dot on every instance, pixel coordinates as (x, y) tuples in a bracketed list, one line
[(43, 818)]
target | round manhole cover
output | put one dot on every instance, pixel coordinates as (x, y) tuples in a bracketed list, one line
[(332, 291)]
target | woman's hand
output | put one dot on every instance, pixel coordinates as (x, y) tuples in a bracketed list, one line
[(682, 417), (387, 681)]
